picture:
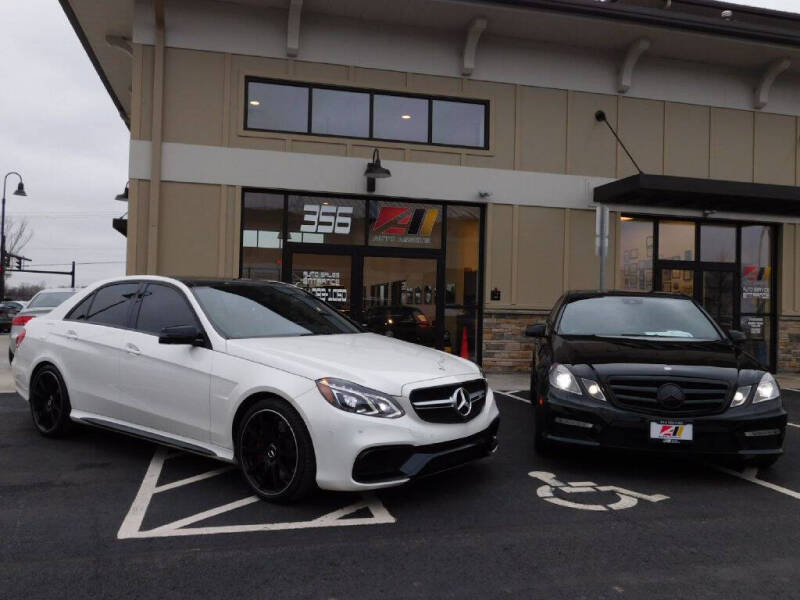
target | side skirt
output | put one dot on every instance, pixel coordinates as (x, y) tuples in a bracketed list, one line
[(149, 436)]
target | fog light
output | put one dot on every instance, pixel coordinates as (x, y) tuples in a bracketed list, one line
[(762, 433), (574, 423)]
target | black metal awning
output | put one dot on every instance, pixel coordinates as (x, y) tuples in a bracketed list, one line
[(120, 225), (663, 191)]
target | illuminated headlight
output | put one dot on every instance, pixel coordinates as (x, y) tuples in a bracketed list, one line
[(562, 379), (767, 389), (741, 395), (593, 389), (354, 398)]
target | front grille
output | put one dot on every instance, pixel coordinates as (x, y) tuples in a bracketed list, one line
[(437, 404), (700, 396)]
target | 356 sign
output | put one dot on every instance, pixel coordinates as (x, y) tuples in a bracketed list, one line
[(326, 218)]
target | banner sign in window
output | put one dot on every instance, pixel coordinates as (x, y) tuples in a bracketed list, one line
[(399, 224)]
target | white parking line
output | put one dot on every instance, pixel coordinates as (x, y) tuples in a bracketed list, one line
[(793, 425), (512, 395), (750, 473), (132, 524)]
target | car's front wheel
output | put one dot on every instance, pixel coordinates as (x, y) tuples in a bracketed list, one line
[(275, 451), (49, 402)]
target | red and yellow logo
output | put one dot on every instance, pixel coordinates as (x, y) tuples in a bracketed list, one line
[(672, 431), (404, 220)]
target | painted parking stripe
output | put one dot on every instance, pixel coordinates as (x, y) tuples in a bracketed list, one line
[(750, 473), (511, 395), (131, 527), (793, 425)]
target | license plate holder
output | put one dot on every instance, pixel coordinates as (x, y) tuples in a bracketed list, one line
[(669, 432)]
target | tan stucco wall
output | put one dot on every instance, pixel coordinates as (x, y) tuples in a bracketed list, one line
[(531, 129)]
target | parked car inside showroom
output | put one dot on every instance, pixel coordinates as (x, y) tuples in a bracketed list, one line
[(42, 303), (262, 374), (651, 371)]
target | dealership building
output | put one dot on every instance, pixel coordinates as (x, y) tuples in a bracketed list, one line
[(440, 163)]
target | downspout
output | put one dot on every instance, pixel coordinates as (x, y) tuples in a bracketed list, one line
[(156, 140)]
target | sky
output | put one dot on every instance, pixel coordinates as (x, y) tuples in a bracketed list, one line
[(60, 130)]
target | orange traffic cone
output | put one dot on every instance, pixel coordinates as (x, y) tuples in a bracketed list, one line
[(464, 344)]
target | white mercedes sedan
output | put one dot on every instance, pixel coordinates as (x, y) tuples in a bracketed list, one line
[(261, 374)]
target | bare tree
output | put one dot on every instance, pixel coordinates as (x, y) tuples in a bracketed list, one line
[(18, 234)]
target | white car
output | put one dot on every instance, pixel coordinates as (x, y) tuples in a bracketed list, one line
[(256, 373)]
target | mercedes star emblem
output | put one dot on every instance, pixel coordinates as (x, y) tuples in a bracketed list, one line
[(461, 402)]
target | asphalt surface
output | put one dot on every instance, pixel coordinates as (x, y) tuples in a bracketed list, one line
[(479, 531)]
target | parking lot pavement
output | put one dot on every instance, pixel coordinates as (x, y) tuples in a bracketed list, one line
[(101, 515)]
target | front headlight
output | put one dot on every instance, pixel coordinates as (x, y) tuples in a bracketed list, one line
[(767, 389), (562, 379), (740, 397), (354, 398), (593, 389)]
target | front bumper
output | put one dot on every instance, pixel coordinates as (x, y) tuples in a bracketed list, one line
[(356, 452), (739, 431)]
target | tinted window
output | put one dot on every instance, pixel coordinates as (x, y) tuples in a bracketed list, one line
[(337, 112), (458, 123), (79, 312), (111, 304), (49, 299), (277, 107), (163, 306), (631, 316), (400, 118), (246, 310)]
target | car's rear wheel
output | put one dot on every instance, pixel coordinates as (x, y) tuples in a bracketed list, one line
[(275, 451), (49, 402)]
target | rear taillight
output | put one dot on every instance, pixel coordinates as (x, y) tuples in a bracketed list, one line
[(20, 337), (20, 320)]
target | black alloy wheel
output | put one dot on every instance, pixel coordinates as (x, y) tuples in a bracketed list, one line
[(275, 452), (49, 402)]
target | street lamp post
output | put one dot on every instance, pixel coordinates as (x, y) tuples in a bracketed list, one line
[(20, 191)]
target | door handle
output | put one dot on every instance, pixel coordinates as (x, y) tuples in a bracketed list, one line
[(71, 334), (132, 349)]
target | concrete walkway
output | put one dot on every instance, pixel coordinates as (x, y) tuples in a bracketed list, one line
[(6, 379)]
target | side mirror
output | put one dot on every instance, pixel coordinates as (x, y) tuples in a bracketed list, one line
[(737, 337), (539, 330), (183, 335)]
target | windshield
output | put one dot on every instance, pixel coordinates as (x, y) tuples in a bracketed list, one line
[(631, 316), (49, 299), (249, 310)]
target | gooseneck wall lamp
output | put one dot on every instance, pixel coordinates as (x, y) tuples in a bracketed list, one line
[(20, 191), (375, 171)]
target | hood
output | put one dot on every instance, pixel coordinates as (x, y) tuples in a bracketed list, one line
[(599, 351), (382, 363)]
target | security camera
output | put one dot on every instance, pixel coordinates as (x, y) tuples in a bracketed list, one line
[(484, 194)]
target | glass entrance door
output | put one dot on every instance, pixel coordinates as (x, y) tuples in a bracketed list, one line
[(327, 276), (400, 298), (719, 296)]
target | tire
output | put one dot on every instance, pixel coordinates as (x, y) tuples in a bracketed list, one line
[(49, 402), (275, 452)]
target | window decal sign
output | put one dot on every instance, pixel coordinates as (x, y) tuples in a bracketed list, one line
[(325, 285), (326, 218), (405, 224)]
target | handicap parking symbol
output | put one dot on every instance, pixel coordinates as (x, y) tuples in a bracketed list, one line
[(627, 498)]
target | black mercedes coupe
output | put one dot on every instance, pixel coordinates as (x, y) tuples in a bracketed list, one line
[(651, 372)]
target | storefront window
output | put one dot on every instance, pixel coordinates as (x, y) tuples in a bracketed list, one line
[(675, 240), (319, 220), (717, 243), (262, 218), (405, 225), (756, 269), (637, 255), (327, 276), (678, 281)]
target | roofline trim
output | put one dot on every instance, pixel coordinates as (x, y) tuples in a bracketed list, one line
[(76, 26), (668, 19)]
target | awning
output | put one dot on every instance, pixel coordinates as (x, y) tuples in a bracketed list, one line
[(655, 191)]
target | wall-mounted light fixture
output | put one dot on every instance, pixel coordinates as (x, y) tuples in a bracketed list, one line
[(375, 171), (123, 197)]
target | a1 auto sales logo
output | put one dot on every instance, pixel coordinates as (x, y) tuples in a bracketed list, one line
[(404, 224), (671, 431)]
